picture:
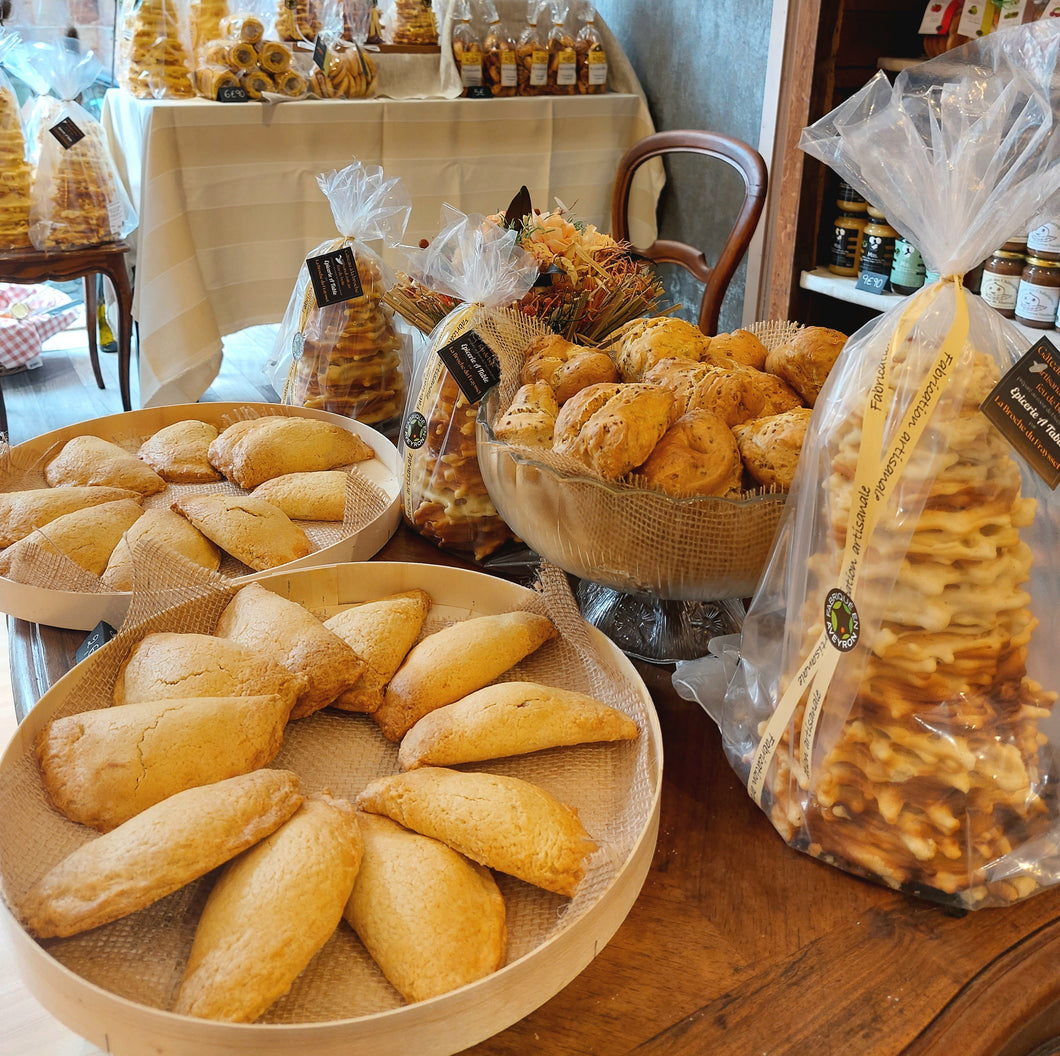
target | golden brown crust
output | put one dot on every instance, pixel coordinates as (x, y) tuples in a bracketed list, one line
[(455, 661), (92, 460), (770, 447), (504, 823), (531, 418), (697, 455), (613, 428), (425, 946), (179, 453), (295, 638), (739, 346), (566, 367), (270, 911), (647, 341), (158, 851), (313, 496), (510, 718), (257, 449), (381, 633), (167, 529), (250, 529), (22, 511), (104, 766), (805, 360)]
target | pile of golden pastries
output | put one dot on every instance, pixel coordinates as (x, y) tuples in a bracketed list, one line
[(664, 406), (92, 511), (175, 776)]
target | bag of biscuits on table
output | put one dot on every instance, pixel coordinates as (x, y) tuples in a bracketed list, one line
[(77, 198), (478, 265), (337, 348), (16, 172), (153, 51), (892, 708)]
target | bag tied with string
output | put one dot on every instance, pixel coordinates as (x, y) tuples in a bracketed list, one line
[(480, 264), (892, 708), (337, 348)]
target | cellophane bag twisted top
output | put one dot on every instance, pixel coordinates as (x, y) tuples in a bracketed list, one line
[(892, 710), (345, 356)]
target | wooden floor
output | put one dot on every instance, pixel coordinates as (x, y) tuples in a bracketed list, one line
[(61, 389)]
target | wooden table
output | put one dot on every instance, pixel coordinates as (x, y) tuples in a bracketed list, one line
[(739, 945)]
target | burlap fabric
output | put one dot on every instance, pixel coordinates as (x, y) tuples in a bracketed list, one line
[(613, 786), (622, 536)]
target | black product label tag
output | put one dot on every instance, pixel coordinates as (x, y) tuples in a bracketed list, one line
[(232, 93), (1025, 407), (334, 276), (872, 282), (320, 52), (67, 133), (473, 365), (479, 91), (97, 637)]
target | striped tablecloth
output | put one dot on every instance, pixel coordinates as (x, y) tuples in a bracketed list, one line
[(229, 204)]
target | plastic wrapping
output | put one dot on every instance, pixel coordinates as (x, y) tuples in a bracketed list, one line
[(410, 22), (204, 22), (16, 173), (532, 51), (348, 72), (77, 198), (891, 712), (153, 59), (467, 47), (345, 356), (592, 56), (479, 264), (562, 55)]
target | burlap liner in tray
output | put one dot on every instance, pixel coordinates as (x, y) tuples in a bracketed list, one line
[(615, 788), (628, 538), (45, 567)]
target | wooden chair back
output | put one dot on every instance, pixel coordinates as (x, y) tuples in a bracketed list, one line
[(751, 167)]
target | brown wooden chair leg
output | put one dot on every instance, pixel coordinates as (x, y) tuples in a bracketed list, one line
[(90, 326), (119, 276), (3, 414)]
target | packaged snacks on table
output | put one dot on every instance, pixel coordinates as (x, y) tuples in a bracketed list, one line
[(204, 21), (500, 58), (562, 55), (410, 22), (892, 707), (341, 352), (153, 57), (467, 47), (532, 52), (77, 198), (16, 173), (592, 57), (348, 72)]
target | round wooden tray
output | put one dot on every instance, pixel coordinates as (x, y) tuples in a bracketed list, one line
[(78, 610), (615, 787)]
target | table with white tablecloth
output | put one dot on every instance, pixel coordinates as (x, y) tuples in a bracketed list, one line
[(229, 203)]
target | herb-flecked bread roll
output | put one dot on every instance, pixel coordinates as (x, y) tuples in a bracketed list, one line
[(104, 766), (806, 359), (158, 851), (456, 660), (697, 455), (86, 460), (257, 449), (431, 918), (295, 638), (510, 718), (501, 822), (770, 447), (270, 912)]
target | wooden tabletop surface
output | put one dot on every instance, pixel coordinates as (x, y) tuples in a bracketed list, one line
[(739, 945)]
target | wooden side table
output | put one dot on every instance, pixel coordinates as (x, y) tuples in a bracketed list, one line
[(32, 265)]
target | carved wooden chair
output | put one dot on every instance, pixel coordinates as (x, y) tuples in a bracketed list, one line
[(751, 167)]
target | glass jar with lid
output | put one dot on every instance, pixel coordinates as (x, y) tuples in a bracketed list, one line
[(877, 245), (1038, 296), (1001, 277)]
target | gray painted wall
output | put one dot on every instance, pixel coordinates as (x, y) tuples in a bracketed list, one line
[(702, 64)]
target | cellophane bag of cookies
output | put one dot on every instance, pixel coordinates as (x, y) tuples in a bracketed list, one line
[(153, 50), (16, 173), (892, 708), (410, 22), (337, 348), (77, 198), (480, 265)]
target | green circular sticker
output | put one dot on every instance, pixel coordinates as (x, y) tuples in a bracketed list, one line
[(415, 431), (841, 622)]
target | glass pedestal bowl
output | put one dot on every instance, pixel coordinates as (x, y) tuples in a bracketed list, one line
[(660, 576)]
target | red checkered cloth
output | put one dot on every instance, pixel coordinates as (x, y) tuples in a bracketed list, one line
[(21, 338)]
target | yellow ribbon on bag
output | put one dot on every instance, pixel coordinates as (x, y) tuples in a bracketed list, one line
[(876, 474)]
